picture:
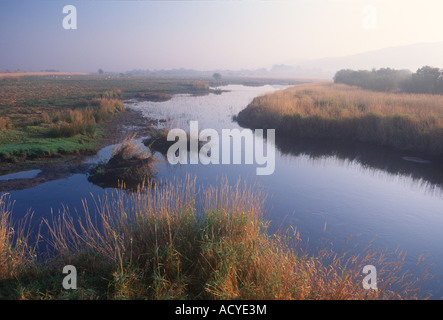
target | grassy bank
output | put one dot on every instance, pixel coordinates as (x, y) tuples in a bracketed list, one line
[(158, 245), (411, 122), (60, 132)]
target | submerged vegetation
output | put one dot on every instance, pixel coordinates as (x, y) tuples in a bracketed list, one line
[(167, 243), (411, 122)]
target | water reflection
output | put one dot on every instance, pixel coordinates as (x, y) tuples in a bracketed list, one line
[(422, 173)]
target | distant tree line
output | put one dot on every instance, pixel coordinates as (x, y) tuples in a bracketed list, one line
[(426, 80)]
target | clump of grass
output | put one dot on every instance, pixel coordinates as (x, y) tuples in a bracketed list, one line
[(170, 244), (5, 123), (83, 121), (111, 94), (77, 122), (128, 149), (130, 165), (15, 253), (405, 121)]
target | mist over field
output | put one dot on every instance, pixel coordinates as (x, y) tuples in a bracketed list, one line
[(296, 38)]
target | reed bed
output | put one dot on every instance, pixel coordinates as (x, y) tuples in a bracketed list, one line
[(400, 120)]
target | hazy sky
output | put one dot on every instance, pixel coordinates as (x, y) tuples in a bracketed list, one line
[(205, 35)]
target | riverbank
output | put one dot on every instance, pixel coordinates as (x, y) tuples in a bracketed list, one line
[(411, 122), (158, 245)]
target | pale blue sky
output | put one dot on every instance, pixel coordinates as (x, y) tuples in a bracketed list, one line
[(204, 35)]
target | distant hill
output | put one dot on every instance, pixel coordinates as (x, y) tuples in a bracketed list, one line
[(409, 57)]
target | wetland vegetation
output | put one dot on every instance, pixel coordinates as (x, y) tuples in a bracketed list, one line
[(412, 122), (160, 245)]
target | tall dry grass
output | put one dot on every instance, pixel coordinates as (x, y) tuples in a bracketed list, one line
[(5, 123), (15, 252), (400, 120), (129, 149), (171, 244), (82, 121)]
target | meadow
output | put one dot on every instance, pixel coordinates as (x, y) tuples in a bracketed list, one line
[(412, 122), (54, 115)]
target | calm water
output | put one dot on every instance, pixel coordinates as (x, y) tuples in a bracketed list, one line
[(393, 197)]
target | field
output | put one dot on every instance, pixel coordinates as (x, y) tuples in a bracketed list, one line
[(53, 115), (4, 74), (412, 122)]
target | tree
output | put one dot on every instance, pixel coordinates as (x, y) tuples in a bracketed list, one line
[(100, 71), (217, 77), (426, 80)]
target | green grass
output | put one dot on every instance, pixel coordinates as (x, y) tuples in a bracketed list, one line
[(35, 143), (33, 146)]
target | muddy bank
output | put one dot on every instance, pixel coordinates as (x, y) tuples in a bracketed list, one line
[(48, 173)]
